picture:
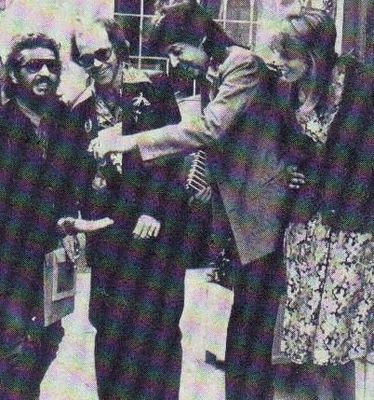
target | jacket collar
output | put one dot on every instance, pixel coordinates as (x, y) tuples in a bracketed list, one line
[(130, 75), (12, 112), (87, 93)]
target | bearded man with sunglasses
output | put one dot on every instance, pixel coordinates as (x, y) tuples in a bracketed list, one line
[(36, 161), (137, 285)]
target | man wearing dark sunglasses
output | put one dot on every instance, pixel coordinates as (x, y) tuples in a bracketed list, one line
[(137, 285), (101, 55), (36, 162), (34, 74)]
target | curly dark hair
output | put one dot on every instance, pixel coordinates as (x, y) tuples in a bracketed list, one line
[(22, 42), (116, 37), (186, 21), (29, 41)]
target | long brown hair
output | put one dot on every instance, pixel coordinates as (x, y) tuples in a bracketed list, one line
[(311, 34)]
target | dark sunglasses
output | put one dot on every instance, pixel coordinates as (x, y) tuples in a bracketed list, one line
[(35, 66), (88, 60)]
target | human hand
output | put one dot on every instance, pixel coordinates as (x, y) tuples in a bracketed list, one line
[(69, 225), (295, 178), (104, 143), (110, 140), (202, 196), (146, 227)]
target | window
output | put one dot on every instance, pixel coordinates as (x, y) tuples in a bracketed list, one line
[(134, 16), (247, 20), (238, 18), (358, 28)]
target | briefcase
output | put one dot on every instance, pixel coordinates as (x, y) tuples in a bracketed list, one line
[(59, 284)]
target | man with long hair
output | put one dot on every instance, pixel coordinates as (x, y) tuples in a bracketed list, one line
[(241, 126)]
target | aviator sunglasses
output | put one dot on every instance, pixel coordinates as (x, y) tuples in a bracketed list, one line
[(34, 66), (88, 60)]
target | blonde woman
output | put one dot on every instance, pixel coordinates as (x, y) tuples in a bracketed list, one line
[(329, 258)]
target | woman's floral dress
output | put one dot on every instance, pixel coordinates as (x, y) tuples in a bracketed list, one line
[(330, 296)]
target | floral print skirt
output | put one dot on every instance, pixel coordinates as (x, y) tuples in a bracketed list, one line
[(328, 314)]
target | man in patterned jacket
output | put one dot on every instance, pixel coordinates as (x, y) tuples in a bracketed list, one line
[(137, 283)]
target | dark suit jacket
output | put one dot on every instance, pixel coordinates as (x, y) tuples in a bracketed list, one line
[(241, 127), (147, 102), (35, 191)]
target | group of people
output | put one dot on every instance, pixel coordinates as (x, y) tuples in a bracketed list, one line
[(290, 157)]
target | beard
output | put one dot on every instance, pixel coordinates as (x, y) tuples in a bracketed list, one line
[(43, 86), (40, 96)]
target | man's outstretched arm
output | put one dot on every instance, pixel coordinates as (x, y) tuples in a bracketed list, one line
[(240, 88)]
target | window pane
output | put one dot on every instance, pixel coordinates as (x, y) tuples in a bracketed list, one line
[(131, 27), (239, 9), (127, 6), (147, 28), (149, 7), (239, 32)]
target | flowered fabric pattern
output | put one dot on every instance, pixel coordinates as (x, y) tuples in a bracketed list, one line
[(330, 295), (107, 116)]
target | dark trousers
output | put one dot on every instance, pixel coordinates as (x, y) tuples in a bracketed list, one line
[(136, 310), (22, 372), (258, 287), (137, 364), (306, 380)]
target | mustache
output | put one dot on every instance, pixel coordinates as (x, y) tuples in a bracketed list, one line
[(43, 79)]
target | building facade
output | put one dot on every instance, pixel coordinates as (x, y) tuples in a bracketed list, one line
[(248, 20)]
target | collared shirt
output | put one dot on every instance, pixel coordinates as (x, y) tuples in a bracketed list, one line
[(39, 124)]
